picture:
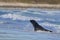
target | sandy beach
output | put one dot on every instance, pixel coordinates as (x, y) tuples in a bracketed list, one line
[(25, 5)]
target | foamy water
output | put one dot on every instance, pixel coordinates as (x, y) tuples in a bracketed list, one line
[(15, 24)]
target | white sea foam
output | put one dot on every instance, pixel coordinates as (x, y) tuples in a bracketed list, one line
[(18, 17)]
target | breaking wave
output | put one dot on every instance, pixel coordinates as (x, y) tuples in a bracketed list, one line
[(46, 18)]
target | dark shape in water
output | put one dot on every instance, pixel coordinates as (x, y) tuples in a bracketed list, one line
[(38, 27)]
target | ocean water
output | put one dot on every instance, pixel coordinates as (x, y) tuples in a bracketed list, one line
[(15, 24)]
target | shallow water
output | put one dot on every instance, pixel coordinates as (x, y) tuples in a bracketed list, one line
[(15, 24), (18, 35)]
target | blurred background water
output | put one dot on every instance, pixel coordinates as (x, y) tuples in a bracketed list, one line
[(15, 24)]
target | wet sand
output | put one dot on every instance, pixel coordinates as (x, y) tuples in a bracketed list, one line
[(25, 5)]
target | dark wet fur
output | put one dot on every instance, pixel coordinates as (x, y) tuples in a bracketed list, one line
[(38, 27)]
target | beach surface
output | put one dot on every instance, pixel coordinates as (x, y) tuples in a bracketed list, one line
[(28, 5)]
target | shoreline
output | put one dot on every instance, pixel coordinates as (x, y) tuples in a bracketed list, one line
[(25, 5)]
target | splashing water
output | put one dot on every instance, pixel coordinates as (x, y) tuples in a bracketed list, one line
[(15, 24)]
